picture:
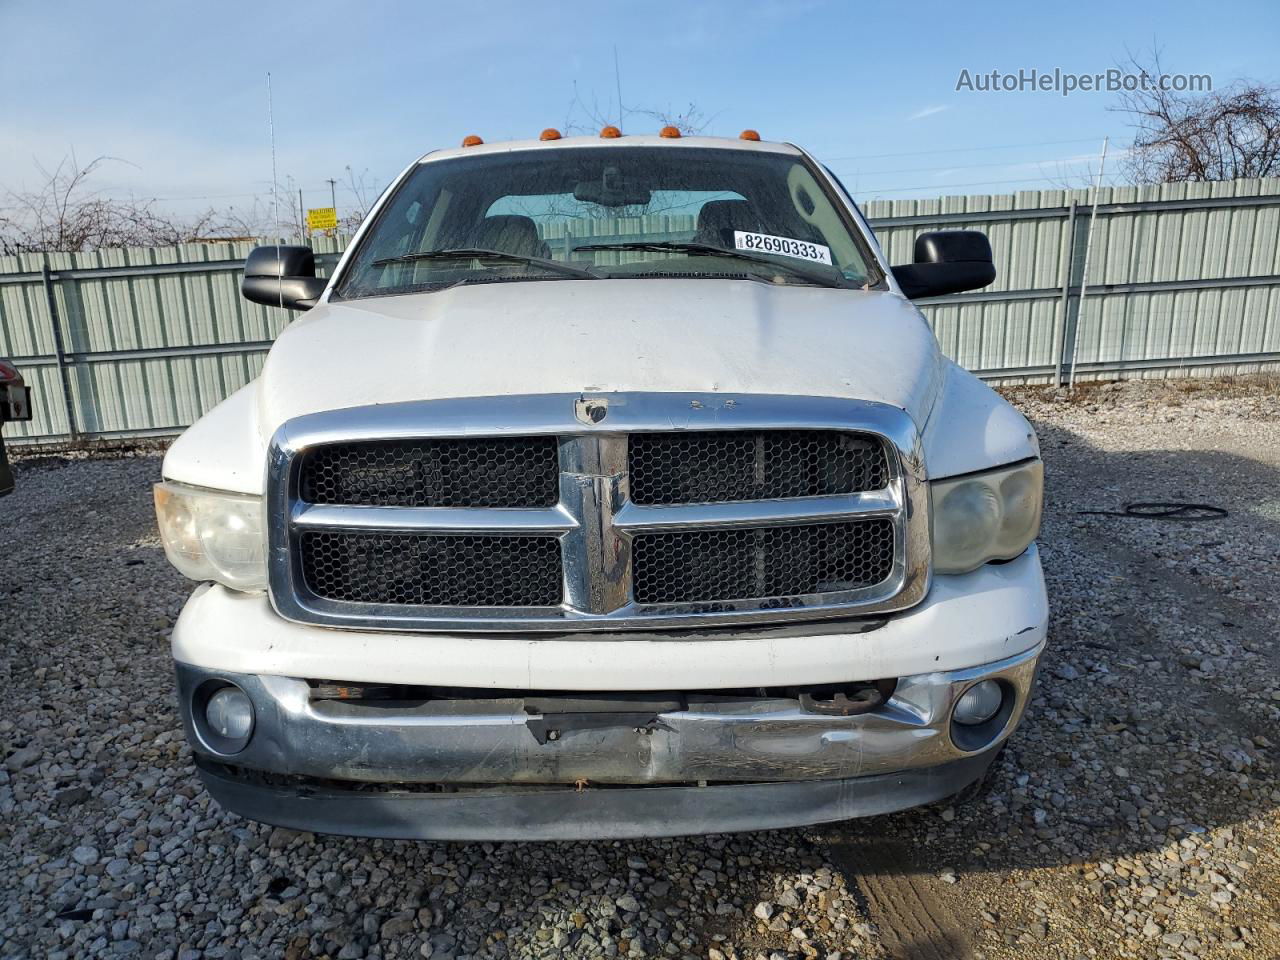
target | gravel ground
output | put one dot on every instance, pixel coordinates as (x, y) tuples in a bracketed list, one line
[(1134, 814)]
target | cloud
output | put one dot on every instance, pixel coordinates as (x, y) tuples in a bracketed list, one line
[(927, 112)]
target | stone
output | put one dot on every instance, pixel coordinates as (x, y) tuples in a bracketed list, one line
[(85, 856), (23, 758)]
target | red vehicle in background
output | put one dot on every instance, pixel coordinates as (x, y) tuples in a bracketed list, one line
[(15, 404)]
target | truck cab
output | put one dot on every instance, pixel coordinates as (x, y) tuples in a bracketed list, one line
[(611, 486)]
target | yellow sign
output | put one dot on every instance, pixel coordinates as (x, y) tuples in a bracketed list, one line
[(322, 218)]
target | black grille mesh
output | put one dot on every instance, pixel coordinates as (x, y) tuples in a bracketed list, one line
[(711, 565), (431, 569), (719, 466), (480, 472)]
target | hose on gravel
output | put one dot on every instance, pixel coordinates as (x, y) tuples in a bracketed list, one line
[(1163, 511)]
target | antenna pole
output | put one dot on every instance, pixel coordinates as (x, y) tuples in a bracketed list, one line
[(275, 181), (617, 79), (271, 132)]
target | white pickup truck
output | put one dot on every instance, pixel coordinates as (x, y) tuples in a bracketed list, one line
[(612, 486)]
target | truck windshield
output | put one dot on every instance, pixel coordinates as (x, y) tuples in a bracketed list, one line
[(581, 213)]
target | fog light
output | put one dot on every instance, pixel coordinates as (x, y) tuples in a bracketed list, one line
[(229, 713), (979, 703)]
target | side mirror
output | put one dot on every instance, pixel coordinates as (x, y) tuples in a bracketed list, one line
[(280, 276), (947, 261)]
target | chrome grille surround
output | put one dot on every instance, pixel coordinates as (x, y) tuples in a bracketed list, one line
[(595, 519)]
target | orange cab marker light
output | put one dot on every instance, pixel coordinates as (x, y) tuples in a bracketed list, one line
[(672, 133), (748, 135), (610, 132), (471, 140), (551, 133)]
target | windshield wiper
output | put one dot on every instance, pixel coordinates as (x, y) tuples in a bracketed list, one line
[(706, 249), (476, 253)]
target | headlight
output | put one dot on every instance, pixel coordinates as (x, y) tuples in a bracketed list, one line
[(211, 535), (985, 516)]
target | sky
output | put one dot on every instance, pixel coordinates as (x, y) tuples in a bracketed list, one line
[(177, 92)]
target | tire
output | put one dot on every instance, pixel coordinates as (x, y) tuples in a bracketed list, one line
[(980, 787)]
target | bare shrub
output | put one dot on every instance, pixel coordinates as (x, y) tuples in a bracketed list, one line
[(1217, 135)]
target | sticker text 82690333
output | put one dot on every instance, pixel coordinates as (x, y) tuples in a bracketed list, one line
[(783, 246)]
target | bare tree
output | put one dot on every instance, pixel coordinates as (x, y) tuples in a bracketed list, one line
[(258, 219), (1217, 135), (66, 214), (365, 190), (690, 121), (586, 118)]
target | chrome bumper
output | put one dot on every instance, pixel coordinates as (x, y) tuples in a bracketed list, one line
[(898, 755)]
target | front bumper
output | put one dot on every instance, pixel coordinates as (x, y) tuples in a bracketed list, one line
[(568, 814), (489, 768), (994, 612)]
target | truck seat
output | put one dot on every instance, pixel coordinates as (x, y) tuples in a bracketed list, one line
[(719, 218), (511, 233)]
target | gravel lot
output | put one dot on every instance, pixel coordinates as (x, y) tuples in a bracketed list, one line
[(1134, 815)]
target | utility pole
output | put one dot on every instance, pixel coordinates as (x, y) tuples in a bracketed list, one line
[(1084, 275), (333, 202), (302, 218)]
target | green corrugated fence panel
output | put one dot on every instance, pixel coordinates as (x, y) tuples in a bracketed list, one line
[(198, 309)]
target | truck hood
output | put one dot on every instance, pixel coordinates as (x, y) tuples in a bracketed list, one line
[(732, 336)]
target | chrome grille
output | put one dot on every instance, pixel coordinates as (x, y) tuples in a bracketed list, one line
[(480, 472), (721, 466), (762, 562), (670, 510), (464, 571)]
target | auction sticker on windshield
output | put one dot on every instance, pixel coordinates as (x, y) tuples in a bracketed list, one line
[(783, 246)]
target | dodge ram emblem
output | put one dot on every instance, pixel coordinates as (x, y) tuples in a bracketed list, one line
[(590, 410)]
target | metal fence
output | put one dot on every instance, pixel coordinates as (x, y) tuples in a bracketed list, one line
[(133, 342), (1184, 279)]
